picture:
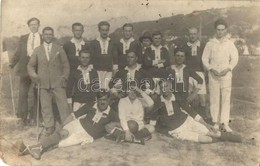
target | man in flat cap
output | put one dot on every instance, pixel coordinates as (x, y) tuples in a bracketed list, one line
[(220, 56)]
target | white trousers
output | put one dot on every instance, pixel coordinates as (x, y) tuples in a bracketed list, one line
[(220, 93), (104, 78)]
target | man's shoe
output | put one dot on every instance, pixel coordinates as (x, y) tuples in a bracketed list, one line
[(22, 149), (49, 131), (35, 151), (216, 126), (227, 128)]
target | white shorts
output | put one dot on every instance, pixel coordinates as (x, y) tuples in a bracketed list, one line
[(194, 84), (190, 130), (77, 135), (77, 106), (104, 78)]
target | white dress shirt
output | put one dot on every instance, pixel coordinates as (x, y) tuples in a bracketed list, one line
[(220, 54), (47, 48), (34, 40)]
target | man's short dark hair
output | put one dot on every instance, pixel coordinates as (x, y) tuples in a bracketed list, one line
[(48, 28), (102, 93), (220, 22), (156, 33), (84, 51), (77, 24), (103, 23), (33, 19), (131, 51), (179, 49), (128, 25)]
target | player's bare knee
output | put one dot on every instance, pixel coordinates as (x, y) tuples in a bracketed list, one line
[(133, 126), (63, 133)]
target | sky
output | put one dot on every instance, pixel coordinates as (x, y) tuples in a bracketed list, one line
[(15, 13)]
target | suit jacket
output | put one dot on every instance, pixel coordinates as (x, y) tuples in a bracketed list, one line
[(50, 72), (21, 56), (70, 50)]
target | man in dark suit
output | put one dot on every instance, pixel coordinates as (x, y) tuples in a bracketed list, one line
[(75, 45), (26, 46), (53, 72)]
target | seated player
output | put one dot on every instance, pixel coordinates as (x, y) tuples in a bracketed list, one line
[(132, 72), (77, 131), (83, 83), (131, 114), (170, 119)]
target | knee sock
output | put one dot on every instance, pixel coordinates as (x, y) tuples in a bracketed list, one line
[(51, 140)]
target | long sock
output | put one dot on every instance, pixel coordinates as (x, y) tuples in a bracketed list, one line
[(51, 140), (143, 133), (232, 137)]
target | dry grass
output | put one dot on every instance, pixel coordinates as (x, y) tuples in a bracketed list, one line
[(161, 150)]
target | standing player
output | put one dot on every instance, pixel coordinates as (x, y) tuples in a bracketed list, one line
[(220, 56), (105, 56), (193, 52)]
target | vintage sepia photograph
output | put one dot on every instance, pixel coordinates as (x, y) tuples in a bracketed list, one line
[(130, 83)]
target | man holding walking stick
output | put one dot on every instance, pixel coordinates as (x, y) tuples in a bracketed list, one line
[(52, 66)]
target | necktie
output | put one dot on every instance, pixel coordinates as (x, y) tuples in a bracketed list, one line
[(33, 41), (48, 52)]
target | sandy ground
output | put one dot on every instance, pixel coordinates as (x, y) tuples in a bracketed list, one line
[(160, 150)]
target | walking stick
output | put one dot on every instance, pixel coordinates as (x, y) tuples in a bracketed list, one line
[(12, 91), (38, 111)]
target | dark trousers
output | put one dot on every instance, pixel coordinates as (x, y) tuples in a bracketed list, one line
[(23, 109)]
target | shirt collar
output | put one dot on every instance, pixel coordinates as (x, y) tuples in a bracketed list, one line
[(129, 40), (103, 112), (156, 48), (220, 41), (175, 68), (35, 34), (164, 100), (46, 44), (138, 67), (75, 41), (196, 43), (101, 40), (90, 67)]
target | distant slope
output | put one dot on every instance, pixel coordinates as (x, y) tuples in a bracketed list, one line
[(243, 21)]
